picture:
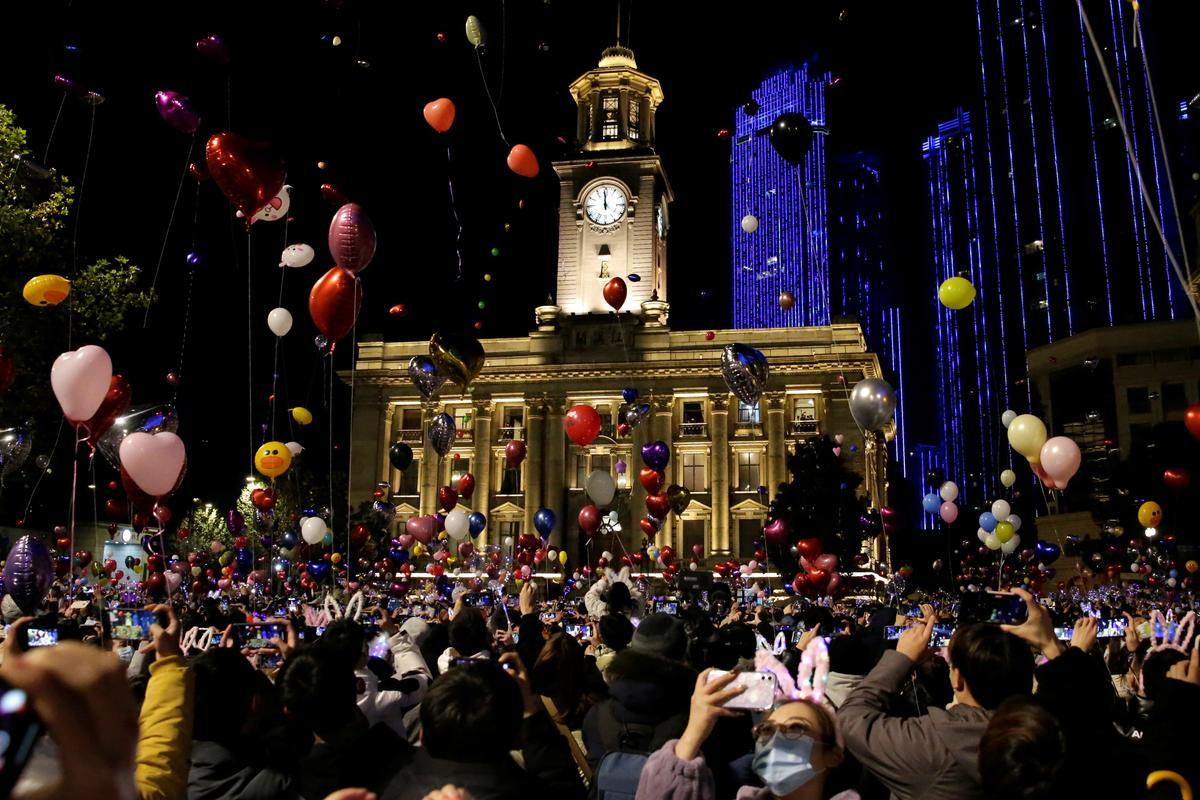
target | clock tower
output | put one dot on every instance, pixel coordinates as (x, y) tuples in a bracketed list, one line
[(613, 196)]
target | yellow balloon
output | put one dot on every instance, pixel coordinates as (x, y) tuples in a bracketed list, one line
[(476, 34), (956, 293), (46, 290), (336, 558), (416, 550), (1004, 531), (1150, 514), (302, 415), (273, 459), (562, 558), (1027, 434), (1008, 478)]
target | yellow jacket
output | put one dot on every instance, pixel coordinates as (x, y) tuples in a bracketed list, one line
[(164, 749)]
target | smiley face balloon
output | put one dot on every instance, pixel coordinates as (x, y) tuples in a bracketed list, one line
[(273, 459), (1150, 514), (46, 290), (296, 256)]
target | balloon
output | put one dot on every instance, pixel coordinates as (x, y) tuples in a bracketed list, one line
[(28, 572), (334, 302), (589, 519), (629, 394), (948, 512), (679, 498), (1007, 417), (81, 380), (352, 238), (992, 541), (522, 161), (514, 453), (213, 48), (313, 530), (1001, 509), (1026, 435), (615, 293), (930, 503), (776, 533), (476, 34), (652, 480), (176, 110), (562, 558), (582, 424), (441, 433), (543, 521), (1150, 514), (658, 505), (1060, 458), (791, 136), (476, 523), (872, 403), (15, 444), (447, 497), (148, 419), (46, 290), (1010, 547), (154, 462), (745, 371), (1008, 478), (273, 459), (1180, 478), (949, 491), (425, 376), (115, 403), (637, 414), (276, 208), (600, 487), (1015, 521), (621, 466), (297, 255), (245, 172), (1191, 419), (302, 415), (956, 293), (1004, 531), (656, 455), (458, 526), (421, 528), (440, 114), (295, 448), (987, 521), (279, 321), (1048, 551), (459, 357), (809, 548), (466, 485), (787, 300), (749, 223)]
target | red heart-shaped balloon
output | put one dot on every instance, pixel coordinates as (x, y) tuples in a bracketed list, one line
[(648, 527), (652, 480), (658, 505), (809, 548)]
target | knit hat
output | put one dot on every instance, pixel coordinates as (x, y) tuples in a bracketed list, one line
[(662, 635)]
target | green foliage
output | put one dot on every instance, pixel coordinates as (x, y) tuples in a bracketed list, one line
[(205, 525)]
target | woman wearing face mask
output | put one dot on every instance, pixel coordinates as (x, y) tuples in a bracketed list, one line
[(794, 749)]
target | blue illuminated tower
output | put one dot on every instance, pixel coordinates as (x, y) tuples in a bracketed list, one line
[(790, 250)]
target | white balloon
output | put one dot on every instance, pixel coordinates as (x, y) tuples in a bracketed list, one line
[(1000, 510), (508, 541), (279, 321), (1008, 416), (1010, 547), (295, 448), (1015, 521), (297, 255), (982, 534), (749, 223), (457, 524), (600, 487), (993, 542), (607, 556), (949, 491), (313, 530), (277, 208), (1008, 478)]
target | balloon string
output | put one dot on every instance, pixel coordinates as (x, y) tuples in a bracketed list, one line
[(74, 491), (87, 160), (45, 469), (503, 50), (250, 343), (95, 493), (350, 448), (162, 252), (187, 307), (329, 412), (275, 369), (54, 129), (487, 91), (458, 236)]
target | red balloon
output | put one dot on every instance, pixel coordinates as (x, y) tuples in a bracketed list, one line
[(666, 554), (8, 370), (658, 505), (698, 551), (623, 429), (352, 238), (162, 514), (615, 292), (440, 114), (800, 583), (114, 404), (582, 424), (398, 310), (589, 519), (332, 194), (334, 303), (777, 532), (116, 509), (141, 502), (1192, 420), (649, 527), (246, 172), (652, 480), (514, 453), (522, 161), (1177, 478), (447, 497), (466, 486), (809, 548)]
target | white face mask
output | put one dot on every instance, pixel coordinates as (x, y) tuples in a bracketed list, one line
[(785, 764)]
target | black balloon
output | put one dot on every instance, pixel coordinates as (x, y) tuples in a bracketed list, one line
[(791, 136), (401, 455)]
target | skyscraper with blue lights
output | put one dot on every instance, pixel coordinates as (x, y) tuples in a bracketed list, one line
[(790, 249)]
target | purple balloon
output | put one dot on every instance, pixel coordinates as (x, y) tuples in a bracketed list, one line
[(28, 573), (235, 522), (656, 455), (351, 238), (213, 48), (176, 110)]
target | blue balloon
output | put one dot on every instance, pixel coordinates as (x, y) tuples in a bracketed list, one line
[(1048, 551), (987, 521), (476, 523), (317, 570), (544, 520), (931, 503), (288, 540), (630, 394), (633, 276), (398, 555)]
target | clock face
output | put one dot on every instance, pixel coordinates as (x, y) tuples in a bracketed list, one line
[(605, 204)]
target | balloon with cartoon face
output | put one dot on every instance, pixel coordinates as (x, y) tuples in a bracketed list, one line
[(273, 459), (276, 209), (297, 255)]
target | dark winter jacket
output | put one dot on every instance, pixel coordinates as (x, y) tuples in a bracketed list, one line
[(217, 773)]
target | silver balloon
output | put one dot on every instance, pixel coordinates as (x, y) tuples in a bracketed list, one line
[(745, 371), (15, 444), (637, 414), (441, 433), (150, 418), (425, 375), (872, 403)]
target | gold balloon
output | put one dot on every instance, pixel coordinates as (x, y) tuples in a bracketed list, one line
[(956, 293), (1150, 514), (787, 300), (678, 497), (273, 459), (459, 357), (302, 415), (1027, 434), (476, 34), (46, 290)]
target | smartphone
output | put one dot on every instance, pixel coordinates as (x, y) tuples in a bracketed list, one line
[(257, 636), (548, 616), (131, 623), (479, 600), (667, 607), (1086, 608), (996, 607), (941, 635), (796, 634), (19, 732), (892, 632), (258, 616), (215, 641), (378, 648), (319, 631), (1064, 634), (758, 689), (41, 636), (394, 603), (579, 631), (1111, 628)]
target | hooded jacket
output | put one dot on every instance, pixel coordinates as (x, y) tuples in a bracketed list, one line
[(597, 607), (932, 757)]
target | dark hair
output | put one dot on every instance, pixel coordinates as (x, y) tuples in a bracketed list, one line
[(346, 638), (850, 655), (319, 690), (818, 616), (472, 712), (225, 688), (1021, 752), (1154, 670), (618, 598), (561, 673), (468, 632), (995, 664), (616, 631)]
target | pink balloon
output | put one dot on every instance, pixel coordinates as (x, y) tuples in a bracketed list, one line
[(776, 532), (826, 562), (224, 584), (176, 110), (153, 460), (80, 379), (1060, 458), (421, 528), (405, 539), (173, 581), (834, 583), (352, 238), (948, 512)]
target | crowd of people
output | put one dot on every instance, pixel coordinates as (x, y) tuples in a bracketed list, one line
[(613, 693)]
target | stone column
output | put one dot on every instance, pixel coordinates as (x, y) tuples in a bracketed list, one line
[(481, 463), (532, 487), (553, 496), (719, 411), (663, 407), (365, 441), (775, 402), (431, 462)]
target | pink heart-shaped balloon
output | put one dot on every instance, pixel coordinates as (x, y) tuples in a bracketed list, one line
[(827, 562), (224, 584), (173, 581), (80, 379), (405, 540), (153, 461), (776, 533), (421, 528)]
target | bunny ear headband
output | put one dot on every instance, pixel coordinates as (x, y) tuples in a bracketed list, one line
[(1182, 637), (810, 677), (353, 610)]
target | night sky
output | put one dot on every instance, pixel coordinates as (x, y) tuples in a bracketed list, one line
[(902, 66)]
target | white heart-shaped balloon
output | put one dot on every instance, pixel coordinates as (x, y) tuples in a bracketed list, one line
[(80, 379), (154, 461)]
